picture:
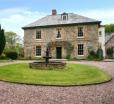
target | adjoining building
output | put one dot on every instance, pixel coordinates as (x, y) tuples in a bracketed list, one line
[(66, 35), (110, 42)]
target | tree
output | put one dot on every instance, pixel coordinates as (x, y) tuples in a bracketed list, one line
[(13, 42), (109, 28), (2, 40)]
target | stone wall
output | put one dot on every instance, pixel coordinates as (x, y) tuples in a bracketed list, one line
[(68, 33), (110, 43)]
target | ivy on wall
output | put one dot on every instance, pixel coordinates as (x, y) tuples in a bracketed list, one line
[(66, 44)]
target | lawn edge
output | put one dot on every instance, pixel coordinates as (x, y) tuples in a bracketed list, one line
[(91, 84)]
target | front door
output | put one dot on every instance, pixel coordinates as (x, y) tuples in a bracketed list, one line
[(58, 52)]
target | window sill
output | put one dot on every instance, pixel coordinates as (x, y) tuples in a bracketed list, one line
[(80, 55), (80, 37), (38, 56), (38, 39), (58, 38)]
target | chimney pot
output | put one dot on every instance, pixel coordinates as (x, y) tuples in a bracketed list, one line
[(54, 12)]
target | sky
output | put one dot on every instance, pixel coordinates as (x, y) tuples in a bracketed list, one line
[(14, 14)]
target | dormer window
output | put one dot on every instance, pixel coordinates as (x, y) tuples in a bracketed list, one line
[(64, 16), (58, 34)]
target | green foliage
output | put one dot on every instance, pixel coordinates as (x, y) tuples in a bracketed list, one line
[(67, 45), (100, 54), (13, 43), (92, 55), (109, 28), (2, 40), (96, 55), (69, 48), (109, 52), (68, 57), (12, 55), (72, 74), (3, 57)]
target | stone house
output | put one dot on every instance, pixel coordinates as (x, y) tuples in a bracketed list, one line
[(65, 34)]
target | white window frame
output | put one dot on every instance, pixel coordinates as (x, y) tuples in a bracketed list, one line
[(82, 32), (64, 17), (57, 34), (38, 34), (36, 52), (100, 33), (78, 49)]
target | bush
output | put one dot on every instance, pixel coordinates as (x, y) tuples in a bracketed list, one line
[(92, 55), (96, 55), (3, 57), (12, 55), (109, 52), (68, 57), (100, 54), (2, 41)]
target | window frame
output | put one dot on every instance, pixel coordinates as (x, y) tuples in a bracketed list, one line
[(100, 33), (38, 35), (80, 50), (58, 35), (37, 54), (64, 17), (80, 32)]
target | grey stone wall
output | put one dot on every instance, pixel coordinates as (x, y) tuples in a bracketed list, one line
[(68, 33), (109, 44)]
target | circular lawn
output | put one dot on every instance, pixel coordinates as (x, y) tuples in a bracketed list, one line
[(72, 74)]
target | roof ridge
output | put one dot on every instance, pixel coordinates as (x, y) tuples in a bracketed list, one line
[(111, 36), (51, 20)]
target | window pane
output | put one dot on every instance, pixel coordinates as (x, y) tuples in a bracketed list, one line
[(38, 50), (58, 34), (100, 33), (80, 49), (64, 17), (38, 35), (80, 31)]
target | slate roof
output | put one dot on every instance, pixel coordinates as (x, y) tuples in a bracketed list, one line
[(52, 20), (108, 37)]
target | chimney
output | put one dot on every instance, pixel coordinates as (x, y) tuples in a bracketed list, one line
[(54, 12)]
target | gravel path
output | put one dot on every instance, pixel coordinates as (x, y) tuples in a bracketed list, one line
[(29, 94)]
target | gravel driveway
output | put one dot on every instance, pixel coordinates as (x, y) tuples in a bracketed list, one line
[(29, 94)]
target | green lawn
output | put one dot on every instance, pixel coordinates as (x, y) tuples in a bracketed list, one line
[(73, 74)]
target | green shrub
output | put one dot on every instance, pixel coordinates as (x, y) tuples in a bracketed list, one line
[(2, 40), (12, 55), (109, 52), (3, 57), (99, 54), (92, 56), (68, 57), (92, 53)]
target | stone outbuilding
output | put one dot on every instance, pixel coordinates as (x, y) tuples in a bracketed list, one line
[(110, 41)]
